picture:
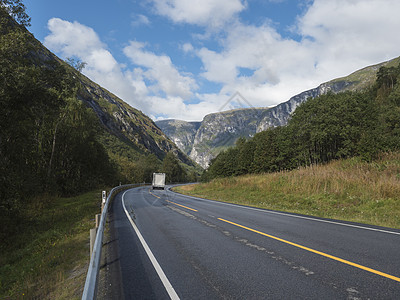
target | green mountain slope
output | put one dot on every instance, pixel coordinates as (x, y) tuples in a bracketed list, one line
[(126, 124), (364, 78), (219, 131), (363, 124), (61, 133)]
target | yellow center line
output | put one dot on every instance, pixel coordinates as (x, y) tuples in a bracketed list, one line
[(173, 202), (181, 205), (154, 195), (316, 251)]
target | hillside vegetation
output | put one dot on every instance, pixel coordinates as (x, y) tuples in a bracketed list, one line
[(50, 258), (351, 189), (331, 126), (62, 134), (48, 139)]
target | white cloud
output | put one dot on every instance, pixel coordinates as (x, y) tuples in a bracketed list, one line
[(140, 20), (74, 39), (352, 33), (175, 108), (209, 13), (159, 69), (271, 59), (71, 38), (153, 74), (337, 37), (187, 47)]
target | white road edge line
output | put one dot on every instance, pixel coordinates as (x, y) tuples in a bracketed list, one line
[(170, 290), (289, 215)]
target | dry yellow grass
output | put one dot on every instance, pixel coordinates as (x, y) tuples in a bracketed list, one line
[(346, 189)]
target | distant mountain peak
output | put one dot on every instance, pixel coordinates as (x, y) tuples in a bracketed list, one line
[(220, 130)]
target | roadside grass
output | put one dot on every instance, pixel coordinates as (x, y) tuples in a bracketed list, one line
[(50, 257), (350, 190)]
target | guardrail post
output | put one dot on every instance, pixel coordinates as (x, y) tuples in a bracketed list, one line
[(93, 233), (103, 200), (98, 218)]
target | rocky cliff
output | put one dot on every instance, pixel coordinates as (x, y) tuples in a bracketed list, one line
[(219, 131), (182, 133), (129, 125), (204, 140)]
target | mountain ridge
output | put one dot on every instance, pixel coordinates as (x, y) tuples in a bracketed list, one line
[(126, 122), (225, 130), (126, 134)]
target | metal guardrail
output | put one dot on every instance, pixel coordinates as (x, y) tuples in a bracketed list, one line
[(90, 290)]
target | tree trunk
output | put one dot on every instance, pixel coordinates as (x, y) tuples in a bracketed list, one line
[(53, 148)]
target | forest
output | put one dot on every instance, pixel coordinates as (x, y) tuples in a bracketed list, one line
[(333, 126), (48, 140), (51, 143)]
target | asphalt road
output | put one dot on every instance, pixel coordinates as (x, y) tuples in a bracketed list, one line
[(202, 249)]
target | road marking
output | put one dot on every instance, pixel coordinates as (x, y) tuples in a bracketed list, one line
[(290, 215), (154, 195), (174, 202), (315, 251), (182, 205), (170, 290)]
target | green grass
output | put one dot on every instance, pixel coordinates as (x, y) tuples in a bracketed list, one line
[(349, 190), (366, 77), (49, 258)]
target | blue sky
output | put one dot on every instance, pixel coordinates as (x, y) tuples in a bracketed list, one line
[(184, 59)]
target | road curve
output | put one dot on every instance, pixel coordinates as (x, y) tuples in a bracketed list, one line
[(165, 245)]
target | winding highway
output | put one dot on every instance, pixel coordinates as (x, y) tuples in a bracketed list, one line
[(165, 245)]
